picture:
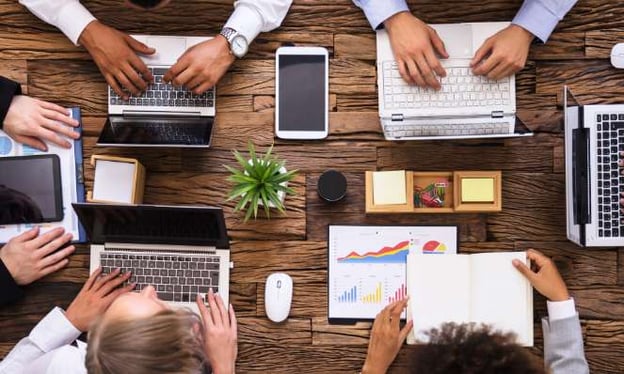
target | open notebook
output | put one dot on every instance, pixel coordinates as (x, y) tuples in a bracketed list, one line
[(482, 288)]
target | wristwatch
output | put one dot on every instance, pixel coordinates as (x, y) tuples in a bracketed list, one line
[(238, 42)]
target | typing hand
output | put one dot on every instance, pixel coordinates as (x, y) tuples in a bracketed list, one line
[(202, 65), (502, 54), (545, 277), (29, 257), (220, 334), (30, 121), (95, 297), (386, 339), (115, 55), (414, 44)]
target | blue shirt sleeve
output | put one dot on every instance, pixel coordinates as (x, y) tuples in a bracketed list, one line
[(540, 17), (377, 11)]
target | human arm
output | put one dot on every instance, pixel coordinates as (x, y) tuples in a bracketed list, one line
[(203, 65), (220, 334), (506, 52), (377, 11), (386, 338)]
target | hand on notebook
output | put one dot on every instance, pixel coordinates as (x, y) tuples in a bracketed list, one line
[(31, 121), (29, 257), (95, 297), (202, 65), (414, 45), (220, 334), (115, 54), (386, 339), (544, 276), (502, 54)]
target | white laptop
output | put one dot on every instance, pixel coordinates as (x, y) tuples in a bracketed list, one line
[(467, 106), (594, 136), (164, 115), (180, 250)]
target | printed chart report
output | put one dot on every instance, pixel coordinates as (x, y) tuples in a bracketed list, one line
[(367, 265)]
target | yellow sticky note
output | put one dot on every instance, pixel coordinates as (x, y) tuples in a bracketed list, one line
[(389, 187), (477, 190)]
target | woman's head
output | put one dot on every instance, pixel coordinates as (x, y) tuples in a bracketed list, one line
[(148, 4), (140, 334)]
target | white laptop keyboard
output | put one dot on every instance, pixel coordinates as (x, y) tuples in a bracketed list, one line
[(610, 133), (402, 130), (460, 89)]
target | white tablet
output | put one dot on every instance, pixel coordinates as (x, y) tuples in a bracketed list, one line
[(301, 93)]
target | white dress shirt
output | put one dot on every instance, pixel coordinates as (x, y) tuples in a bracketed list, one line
[(250, 17)]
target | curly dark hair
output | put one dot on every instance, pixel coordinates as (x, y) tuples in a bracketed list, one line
[(473, 349), (147, 4)]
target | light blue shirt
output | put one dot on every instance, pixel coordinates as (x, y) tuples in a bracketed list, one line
[(539, 17)]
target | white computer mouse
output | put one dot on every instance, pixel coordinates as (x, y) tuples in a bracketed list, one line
[(617, 56), (278, 296)]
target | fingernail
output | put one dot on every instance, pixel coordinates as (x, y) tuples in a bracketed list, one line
[(210, 291), (515, 262)]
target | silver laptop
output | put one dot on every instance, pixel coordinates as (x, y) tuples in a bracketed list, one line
[(180, 250), (594, 137), (467, 106), (164, 115)]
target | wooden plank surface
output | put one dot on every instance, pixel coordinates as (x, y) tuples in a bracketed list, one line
[(50, 67)]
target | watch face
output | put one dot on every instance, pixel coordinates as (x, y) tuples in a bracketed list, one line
[(239, 46)]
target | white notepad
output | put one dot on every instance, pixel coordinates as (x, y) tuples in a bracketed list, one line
[(482, 288)]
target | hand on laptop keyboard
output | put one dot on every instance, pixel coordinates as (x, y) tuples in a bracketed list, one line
[(502, 54), (414, 45), (220, 332)]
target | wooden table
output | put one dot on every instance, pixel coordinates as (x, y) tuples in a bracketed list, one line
[(51, 68)]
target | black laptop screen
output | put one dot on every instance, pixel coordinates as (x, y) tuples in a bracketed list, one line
[(141, 130), (151, 224)]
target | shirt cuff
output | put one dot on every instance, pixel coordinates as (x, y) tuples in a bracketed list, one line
[(537, 19), (376, 15), (11, 291), (72, 19), (245, 20), (54, 331), (561, 309), (8, 89)]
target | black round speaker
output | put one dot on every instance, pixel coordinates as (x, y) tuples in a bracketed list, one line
[(332, 185)]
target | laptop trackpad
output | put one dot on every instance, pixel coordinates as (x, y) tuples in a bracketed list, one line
[(168, 50), (457, 39)]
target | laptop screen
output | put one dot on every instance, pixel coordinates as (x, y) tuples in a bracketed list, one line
[(153, 224), (143, 130)]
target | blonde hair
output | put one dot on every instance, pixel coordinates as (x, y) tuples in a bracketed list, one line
[(168, 342)]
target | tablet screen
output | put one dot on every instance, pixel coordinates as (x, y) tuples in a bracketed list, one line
[(30, 189)]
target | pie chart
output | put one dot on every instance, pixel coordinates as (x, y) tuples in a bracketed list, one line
[(5, 145), (434, 246)]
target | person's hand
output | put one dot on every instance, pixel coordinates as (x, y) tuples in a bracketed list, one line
[(95, 297), (29, 257), (220, 333), (202, 65), (31, 121), (115, 55), (414, 44), (502, 54), (544, 276), (386, 339)]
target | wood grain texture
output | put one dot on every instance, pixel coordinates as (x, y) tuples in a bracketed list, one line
[(48, 66)]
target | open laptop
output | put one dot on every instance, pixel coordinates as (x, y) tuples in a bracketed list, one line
[(164, 115), (594, 137), (180, 250), (467, 106)]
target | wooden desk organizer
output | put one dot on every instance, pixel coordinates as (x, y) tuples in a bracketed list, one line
[(453, 194), (126, 184)]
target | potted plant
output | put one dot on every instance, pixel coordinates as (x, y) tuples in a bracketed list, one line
[(260, 181)]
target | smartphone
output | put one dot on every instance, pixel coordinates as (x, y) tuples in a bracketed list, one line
[(30, 189), (301, 93)]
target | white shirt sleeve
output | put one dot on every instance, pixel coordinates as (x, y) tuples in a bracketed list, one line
[(250, 17), (69, 16), (54, 331), (561, 309)]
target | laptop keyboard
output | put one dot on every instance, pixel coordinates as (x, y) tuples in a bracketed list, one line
[(175, 276), (610, 130), (164, 94), (460, 89), (407, 131)]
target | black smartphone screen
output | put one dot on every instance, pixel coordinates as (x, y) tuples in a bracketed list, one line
[(30, 189)]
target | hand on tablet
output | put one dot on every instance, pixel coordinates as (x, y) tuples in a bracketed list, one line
[(386, 339), (31, 121), (544, 276), (29, 257)]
